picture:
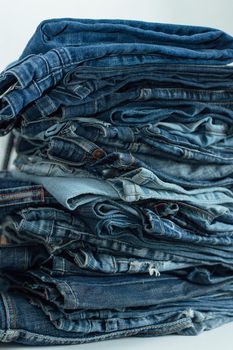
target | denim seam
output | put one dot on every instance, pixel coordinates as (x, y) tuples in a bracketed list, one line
[(10, 311), (16, 76), (35, 194), (42, 111), (213, 201), (36, 85), (174, 327), (10, 104), (99, 70), (64, 65), (187, 150), (75, 298), (48, 237), (46, 63), (26, 259)]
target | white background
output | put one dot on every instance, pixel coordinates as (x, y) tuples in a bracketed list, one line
[(18, 21)]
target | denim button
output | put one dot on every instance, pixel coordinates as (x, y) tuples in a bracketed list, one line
[(98, 153)]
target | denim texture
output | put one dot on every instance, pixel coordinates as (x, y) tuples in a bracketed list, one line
[(123, 230), (117, 217), (16, 195), (15, 327), (54, 32), (26, 79)]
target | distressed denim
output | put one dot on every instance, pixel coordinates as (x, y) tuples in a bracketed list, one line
[(76, 292), (121, 229), (186, 318), (18, 257), (43, 254), (118, 218)]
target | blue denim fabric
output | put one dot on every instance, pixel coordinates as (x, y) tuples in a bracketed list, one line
[(55, 32), (124, 230), (67, 105), (76, 292), (202, 320), (82, 152), (167, 169), (72, 191), (110, 218), (203, 133), (42, 167), (133, 114), (18, 194), (143, 112), (143, 184), (92, 78), (22, 257), (118, 219), (94, 139), (139, 184), (188, 318), (18, 257), (81, 95), (28, 78)]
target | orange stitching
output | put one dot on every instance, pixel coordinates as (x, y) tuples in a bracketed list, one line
[(39, 194)]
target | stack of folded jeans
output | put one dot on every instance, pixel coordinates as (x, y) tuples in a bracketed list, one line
[(118, 217)]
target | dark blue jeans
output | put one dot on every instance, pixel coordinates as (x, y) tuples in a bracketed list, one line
[(126, 231), (26, 80), (55, 33), (87, 94), (187, 318), (116, 292)]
